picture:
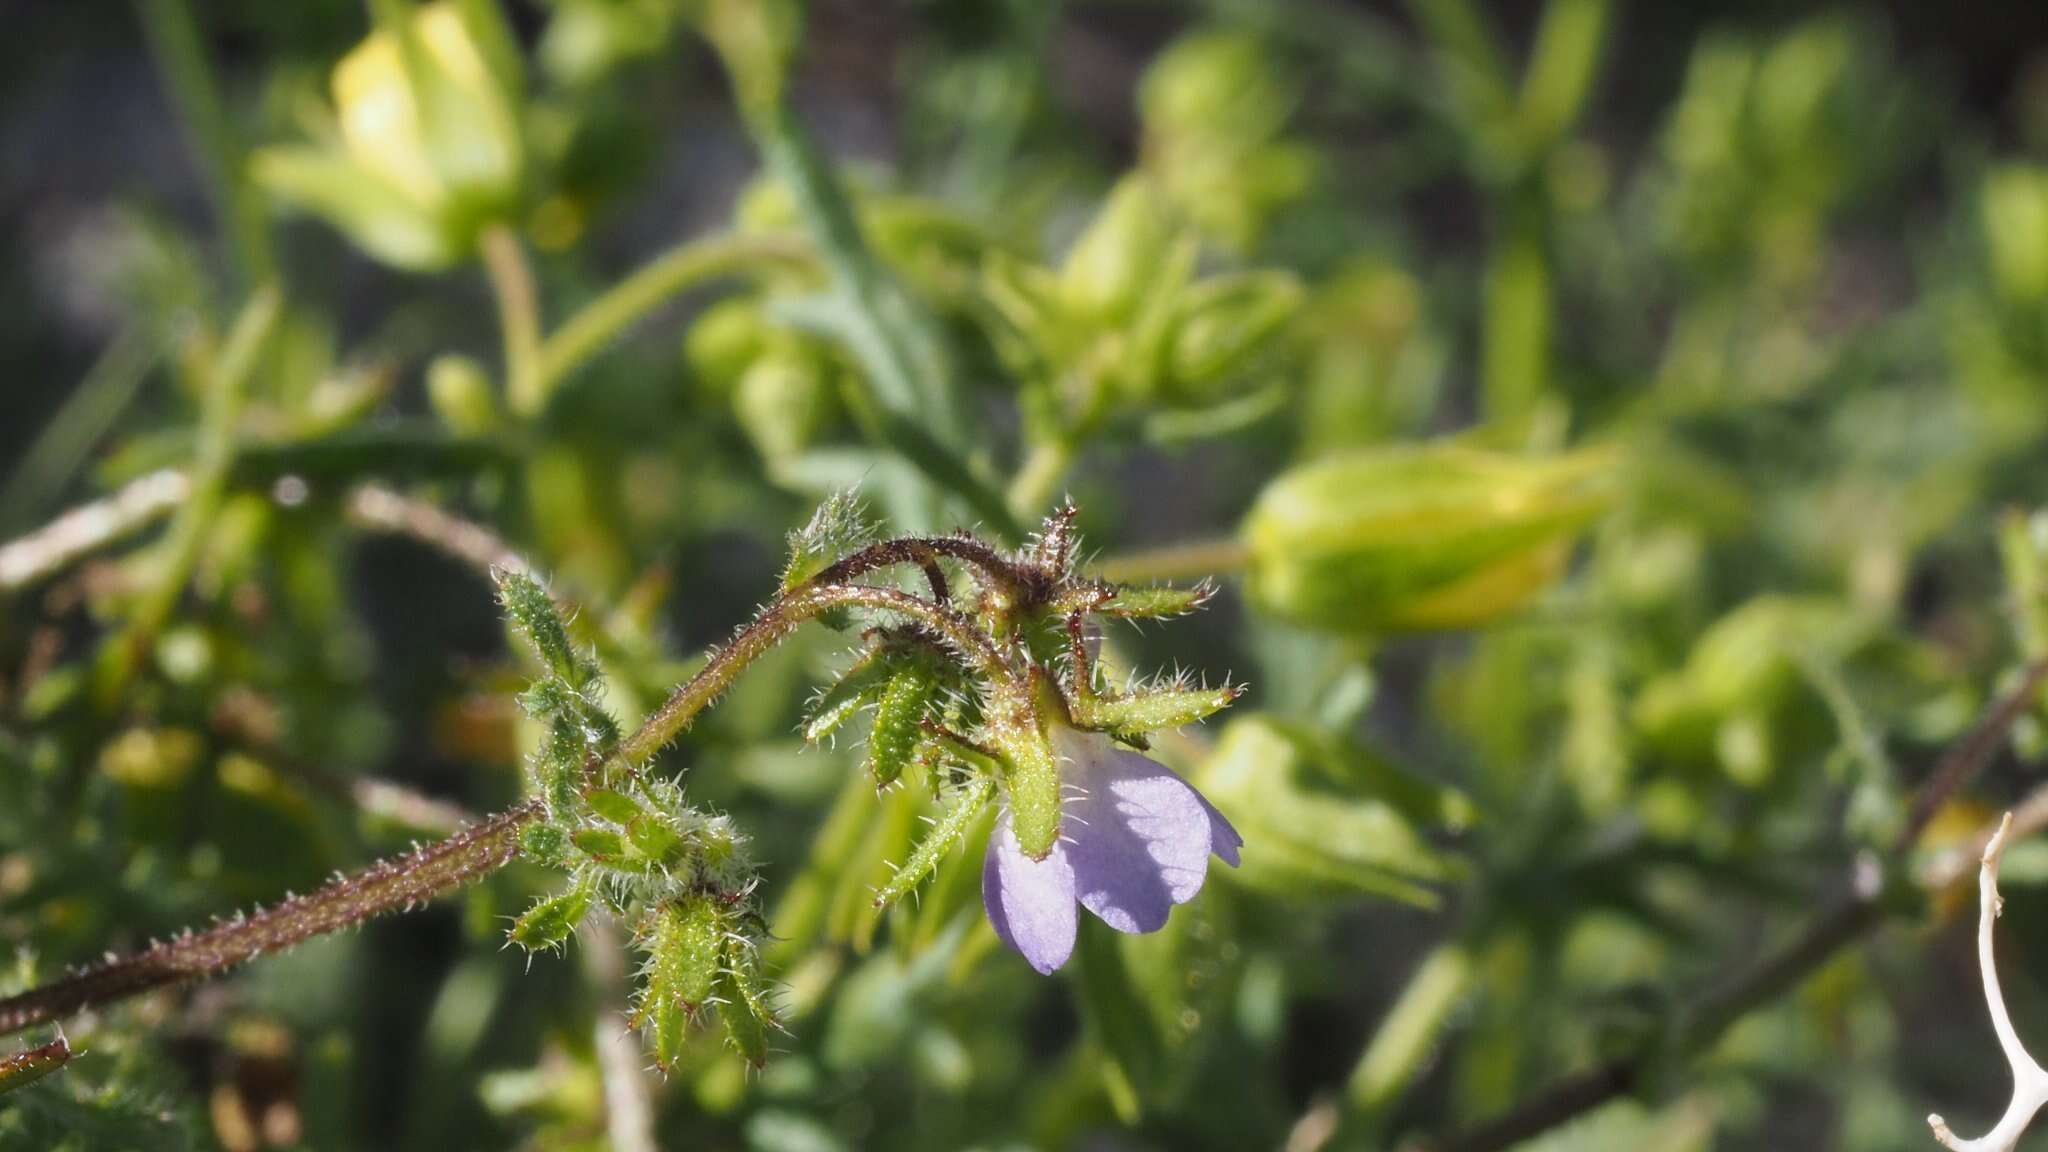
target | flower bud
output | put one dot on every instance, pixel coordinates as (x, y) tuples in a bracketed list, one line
[(2016, 230), (1117, 259), (724, 340), (1227, 322), (1418, 537), (785, 399), (429, 151), (460, 391)]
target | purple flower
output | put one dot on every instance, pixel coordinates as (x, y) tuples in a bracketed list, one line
[(1134, 841)]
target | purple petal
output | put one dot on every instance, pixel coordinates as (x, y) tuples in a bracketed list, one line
[(1030, 902), (1224, 840), (1138, 836)]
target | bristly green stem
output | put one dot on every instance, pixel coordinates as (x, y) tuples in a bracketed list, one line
[(511, 276), (175, 42), (676, 271)]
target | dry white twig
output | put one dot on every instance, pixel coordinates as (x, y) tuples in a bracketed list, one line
[(2029, 1082)]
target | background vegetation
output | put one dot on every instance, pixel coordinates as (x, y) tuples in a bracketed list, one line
[(1615, 430)]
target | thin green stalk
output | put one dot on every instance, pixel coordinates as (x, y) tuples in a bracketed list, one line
[(1191, 560), (1039, 477), (175, 43), (667, 276), (227, 387), (511, 277), (87, 413)]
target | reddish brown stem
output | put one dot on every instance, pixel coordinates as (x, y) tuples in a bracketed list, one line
[(391, 885)]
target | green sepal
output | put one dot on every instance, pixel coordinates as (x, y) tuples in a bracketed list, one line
[(551, 920), (684, 942), (616, 807), (1157, 601), (745, 1009), (837, 527), (855, 689), (951, 826), (653, 838), (600, 844), (1032, 780), (545, 843), (1151, 711)]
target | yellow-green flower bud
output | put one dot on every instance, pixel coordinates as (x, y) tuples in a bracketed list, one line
[(460, 391), (2016, 230), (726, 338), (784, 400), (1225, 324), (1418, 537), (429, 150), (1110, 267)]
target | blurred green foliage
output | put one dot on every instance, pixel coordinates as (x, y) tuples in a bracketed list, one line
[(1620, 504)]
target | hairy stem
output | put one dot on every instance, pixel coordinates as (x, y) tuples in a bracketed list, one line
[(779, 620), (390, 885), (90, 527), (416, 877)]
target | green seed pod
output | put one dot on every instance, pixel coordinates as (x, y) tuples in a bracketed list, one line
[(684, 942), (1020, 733), (1419, 537), (551, 920), (899, 718), (685, 951)]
